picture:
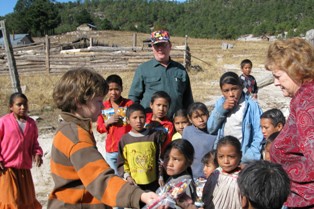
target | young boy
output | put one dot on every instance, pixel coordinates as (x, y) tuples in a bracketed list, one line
[(249, 82), (139, 151), (263, 185), (82, 177), (269, 141), (112, 120), (272, 121)]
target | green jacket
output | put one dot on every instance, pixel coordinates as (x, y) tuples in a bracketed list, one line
[(151, 76)]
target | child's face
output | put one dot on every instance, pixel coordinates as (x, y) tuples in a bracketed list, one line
[(175, 163), (180, 122), (114, 92), (209, 168), (160, 108), (92, 109), (247, 69), (267, 152), (137, 121), (19, 107), (199, 119), (268, 128), (231, 92), (228, 157)]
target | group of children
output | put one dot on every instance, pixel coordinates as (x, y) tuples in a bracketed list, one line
[(146, 149)]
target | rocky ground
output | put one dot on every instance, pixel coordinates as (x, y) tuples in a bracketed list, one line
[(268, 97)]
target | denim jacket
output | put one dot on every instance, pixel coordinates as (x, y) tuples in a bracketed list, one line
[(251, 130)]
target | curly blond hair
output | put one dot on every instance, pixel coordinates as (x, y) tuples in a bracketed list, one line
[(77, 86), (294, 56)]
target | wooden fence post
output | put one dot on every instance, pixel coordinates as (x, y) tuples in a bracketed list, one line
[(47, 43), (134, 40), (10, 57)]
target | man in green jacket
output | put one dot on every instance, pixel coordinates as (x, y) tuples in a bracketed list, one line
[(161, 73)]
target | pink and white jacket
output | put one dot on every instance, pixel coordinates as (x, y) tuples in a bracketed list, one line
[(17, 148)]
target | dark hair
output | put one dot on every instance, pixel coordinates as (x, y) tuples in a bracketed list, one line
[(266, 185), (246, 61), (16, 95), (230, 78), (160, 94), (185, 147), (230, 140), (197, 106), (210, 157), (134, 107), (114, 79), (78, 86), (272, 137), (275, 115), (180, 113)]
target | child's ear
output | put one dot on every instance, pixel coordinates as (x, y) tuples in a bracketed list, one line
[(244, 202), (127, 120), (279, 126)]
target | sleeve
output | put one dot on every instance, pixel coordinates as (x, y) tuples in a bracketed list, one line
[(121, 159), (1, 138), (137, 87), (209, 190), (217, 118), (113, 191), (188, 96), (254, 150), (101, 125)]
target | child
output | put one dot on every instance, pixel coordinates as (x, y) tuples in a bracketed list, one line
[(82, 177), (180, 121), (197, 134), (18, 148), (272, 121), (238, 115), (249, 82), (263, 185), (269, 141), (157, 120), (221, 189), (178, 158), (112, 120), (210, 163), (139, 151)]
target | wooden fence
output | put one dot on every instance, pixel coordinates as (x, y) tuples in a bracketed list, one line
[(46, 57)]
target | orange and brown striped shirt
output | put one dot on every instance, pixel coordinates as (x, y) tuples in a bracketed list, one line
[(82, 177)]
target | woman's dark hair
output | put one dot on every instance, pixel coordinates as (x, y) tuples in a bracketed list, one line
[(160, 94), (230, 78), (197, 106), (185, 147), (230, 140)]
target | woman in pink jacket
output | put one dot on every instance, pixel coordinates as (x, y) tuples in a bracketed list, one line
[(18, 148)]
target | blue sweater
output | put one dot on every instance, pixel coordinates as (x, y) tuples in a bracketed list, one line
[(202, 143), (251, 131)]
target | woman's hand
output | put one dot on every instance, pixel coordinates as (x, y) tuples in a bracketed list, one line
[(38, 160), (149, 198), (130, 180)]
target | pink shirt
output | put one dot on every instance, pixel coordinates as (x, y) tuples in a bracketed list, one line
[(17, 147), (294, 147)]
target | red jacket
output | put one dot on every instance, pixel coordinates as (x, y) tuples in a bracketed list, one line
[(166, 126), (114, 131)]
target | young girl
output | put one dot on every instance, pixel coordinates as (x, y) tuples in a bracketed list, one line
[(158, 120), (180, 121), (198, 136), (221, 189), (210, 163), (178, 158), (18, 148)]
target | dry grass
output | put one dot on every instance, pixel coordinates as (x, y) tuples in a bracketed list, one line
[(206, 53)]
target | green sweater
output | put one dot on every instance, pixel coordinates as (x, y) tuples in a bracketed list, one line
[(151, 76)]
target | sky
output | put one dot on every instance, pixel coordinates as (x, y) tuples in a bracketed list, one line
[(7, 6)]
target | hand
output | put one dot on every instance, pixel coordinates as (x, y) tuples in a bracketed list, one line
[(230, 103), (113, 119), (2, 168), (149, 197), (38, 160), (130, 180), (161, 181)]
